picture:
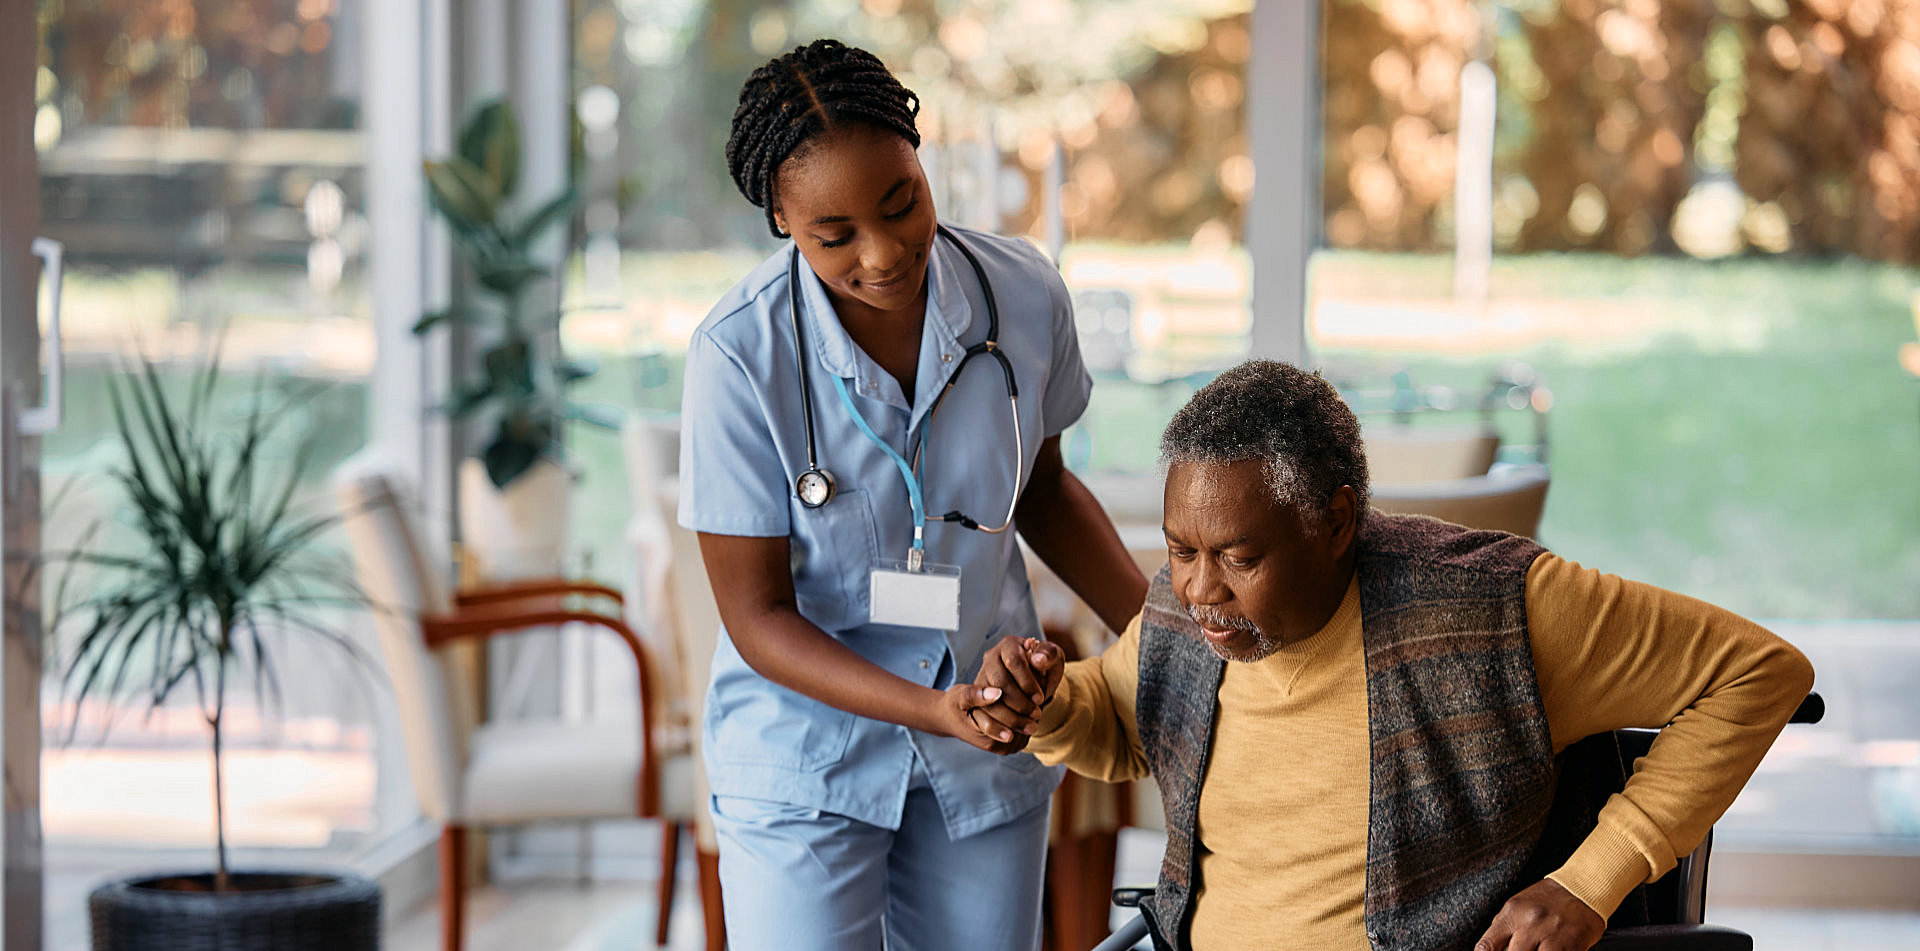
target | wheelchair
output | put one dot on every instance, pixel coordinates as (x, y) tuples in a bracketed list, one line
[(1676, 904)]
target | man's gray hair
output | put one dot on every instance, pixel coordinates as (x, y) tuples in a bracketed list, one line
[(1291, 419)]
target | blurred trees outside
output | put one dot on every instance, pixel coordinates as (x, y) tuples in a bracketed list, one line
[(228, 64), (1777, 125), (1831, 129), (1628, 126)]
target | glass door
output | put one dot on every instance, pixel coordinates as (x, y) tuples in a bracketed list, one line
[(22, 420)]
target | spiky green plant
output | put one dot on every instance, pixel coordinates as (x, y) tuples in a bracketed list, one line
[(221, 556)]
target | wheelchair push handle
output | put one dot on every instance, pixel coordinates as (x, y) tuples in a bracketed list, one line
[(1811, 710)]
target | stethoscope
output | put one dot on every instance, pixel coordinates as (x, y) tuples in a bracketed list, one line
[(815, 486)]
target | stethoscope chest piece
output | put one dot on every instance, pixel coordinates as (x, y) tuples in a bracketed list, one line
[(814, 487)]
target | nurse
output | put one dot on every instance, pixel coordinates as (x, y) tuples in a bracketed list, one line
[(854, 535)]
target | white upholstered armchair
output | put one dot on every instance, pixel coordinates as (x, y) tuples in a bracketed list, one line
[(473, 774)]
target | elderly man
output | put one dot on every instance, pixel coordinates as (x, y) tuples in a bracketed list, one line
[(1357, 719)]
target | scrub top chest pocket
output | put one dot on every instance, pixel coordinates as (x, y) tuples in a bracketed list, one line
[(833, 546)]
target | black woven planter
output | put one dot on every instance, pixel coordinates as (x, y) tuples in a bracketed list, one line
[(271, 911)]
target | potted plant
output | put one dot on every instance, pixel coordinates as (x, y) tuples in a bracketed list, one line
[(219, 559), (513, 496)]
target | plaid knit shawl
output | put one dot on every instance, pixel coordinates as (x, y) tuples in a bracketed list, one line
[(1462, 769)]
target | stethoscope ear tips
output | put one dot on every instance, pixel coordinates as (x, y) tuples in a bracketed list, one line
[(814, 487)]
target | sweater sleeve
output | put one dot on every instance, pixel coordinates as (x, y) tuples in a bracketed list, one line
[(1612, 654), (1089, 724)]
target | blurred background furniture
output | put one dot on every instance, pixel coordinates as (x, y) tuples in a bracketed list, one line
[(1422, 432), (1397, 454), (473, 774), (1509, 499), (697, 626), (680, 621), (1421, 461), (650, 449)]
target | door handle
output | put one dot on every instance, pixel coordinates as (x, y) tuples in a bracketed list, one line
[(45, 418)]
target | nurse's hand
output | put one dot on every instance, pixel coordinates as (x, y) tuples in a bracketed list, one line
[(953, 716)]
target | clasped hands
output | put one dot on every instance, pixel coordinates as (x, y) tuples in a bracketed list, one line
[(999, 711)]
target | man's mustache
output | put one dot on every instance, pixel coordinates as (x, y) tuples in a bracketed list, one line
[(1211, 617)]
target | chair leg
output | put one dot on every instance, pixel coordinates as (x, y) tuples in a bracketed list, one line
[(1079, 883), (453, 886), (669, 861), (710, 899)]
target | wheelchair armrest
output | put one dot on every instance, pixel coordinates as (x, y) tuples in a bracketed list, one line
[(1131, 897), (1675, 938)]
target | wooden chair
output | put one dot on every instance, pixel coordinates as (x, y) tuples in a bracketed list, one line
[(1510, 500), (1398, 453), (681, 620), (696, 620), (506, 773)]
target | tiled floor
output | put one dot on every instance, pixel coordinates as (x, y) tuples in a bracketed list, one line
[(558, 916)]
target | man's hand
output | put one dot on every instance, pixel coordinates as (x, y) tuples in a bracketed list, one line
[(956, 714), (1027, 671), (1544, 917)]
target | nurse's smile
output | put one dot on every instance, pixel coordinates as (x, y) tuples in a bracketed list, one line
[(857, 204)]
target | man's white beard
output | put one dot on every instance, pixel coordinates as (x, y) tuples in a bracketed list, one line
[(1263, 644)]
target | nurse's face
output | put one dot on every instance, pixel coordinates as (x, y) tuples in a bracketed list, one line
[(857, 203)]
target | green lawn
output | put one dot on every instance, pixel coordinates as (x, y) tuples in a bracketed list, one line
[(1763, 454)]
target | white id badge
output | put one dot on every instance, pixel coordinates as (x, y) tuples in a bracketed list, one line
[(929, 597)]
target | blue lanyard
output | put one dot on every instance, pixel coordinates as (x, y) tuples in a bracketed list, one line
[(917, 553)]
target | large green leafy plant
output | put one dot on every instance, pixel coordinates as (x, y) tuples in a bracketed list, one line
[(217, 562), (522, 375)]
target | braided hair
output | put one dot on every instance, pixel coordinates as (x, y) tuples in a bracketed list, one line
[(814, 89)]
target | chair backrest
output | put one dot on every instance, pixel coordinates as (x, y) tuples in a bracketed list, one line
[(400, 575), (697, 623), (651, 444), (696, 615), (651, 449), (1397, 453), (1507, 501)]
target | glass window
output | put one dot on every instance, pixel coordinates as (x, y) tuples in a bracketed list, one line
[(1688, 228), (202, 164)]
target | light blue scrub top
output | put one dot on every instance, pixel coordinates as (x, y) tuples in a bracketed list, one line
[(743, 441)]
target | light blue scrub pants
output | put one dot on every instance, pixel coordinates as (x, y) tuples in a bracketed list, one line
[(801, 879)]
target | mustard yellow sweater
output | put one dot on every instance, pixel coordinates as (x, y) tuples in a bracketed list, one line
[(1283, 810)]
